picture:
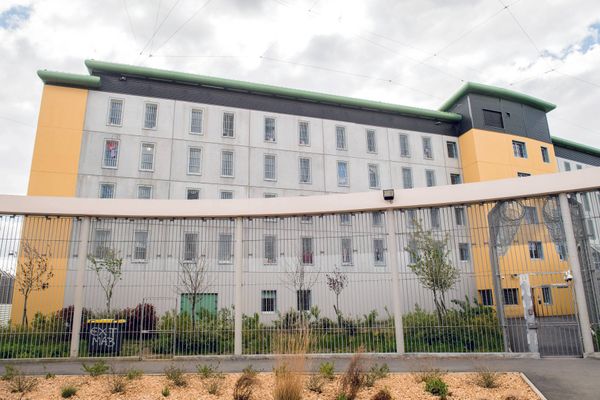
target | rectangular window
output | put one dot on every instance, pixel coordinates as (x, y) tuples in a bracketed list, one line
[(140, 250), (411, 218), (270, 167), (226, 195), (305, 174), (346, 243), (561, 250), (227, 163), (493, 118), (535, 251), (412, 251), (519, 149), (378, 252), (371, 143), (147, 157), (346, 219), (306, 219), (531, 215), (192, 194), (111, 154), (150, 115), (373, 176), (269, 195), (404, 145), (407, 180), (115, 112), (377, 218), (196, 122), (102, 239), (545, 154), (464, 253), (225, 250), (567, 166), (427, 149), (523, 174), (228, 124), (107, 190), (307, 250), (194, 160), (578, 166), (342, 173), (144, 192), (430, 177), (303, 300), (435, 217), (340, 138), (455, 179), (270, 129), (452, 149), (547, 295), (459, 214), (190, 246), (591, 232), (511, 296), (486, 297), (270, 249), (268, 301), (303, 133)]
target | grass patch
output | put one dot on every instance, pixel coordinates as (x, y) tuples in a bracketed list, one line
[(437, 387), (68, 391), (327, 370), (486, 378), (96, 369), (176, 376)]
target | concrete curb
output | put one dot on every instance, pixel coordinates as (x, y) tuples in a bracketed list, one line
[(532, 386)]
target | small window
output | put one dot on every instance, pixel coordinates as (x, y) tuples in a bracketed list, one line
[(459, 214), (115, 112), (486, 298), (270, 249), (586, 201), (455, 179), (578, 166), (196, 117), (228, 124), (140, 251), (427, 149), (270, 129), (102, 241), (227, 163), (519, 149), (412, 251), (303, 300), (192, 194), (535, 251), (511, 296), (190, 246), (547, 295), (346, 219), (147, 157), (226, 195), (194, 160), (404, 145), (378, 252), (342, 173), (567, 166), (407, 180), (371, 143), (430, 177), (377, 218), (531, 215), (150, 115), (107, 190), (307, 250), (523, 174), (303, 133), (144, 192), (411, 218), (268, 301), (305, 173), (435, 217), (270, 167), (269, 195), (306, 219), (340, 138), (452, 149), (373, 176), (591, 232), (464, 252), (224, 249), (346, 243), (561, 250), (111, 154), (493, 119), (545, 155)]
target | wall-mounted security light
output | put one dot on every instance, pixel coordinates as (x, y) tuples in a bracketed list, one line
[(388, 194)]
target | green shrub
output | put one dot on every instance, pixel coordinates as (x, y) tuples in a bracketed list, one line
[(96, 369), (176, 376), (428, 373), (166, 392), (50, 375), (486, 378), (382, 394), (133, 374), (21, 383), (327, 370), (375, 373), (437, 387), (250, 371), (68, 391), (118, 383), (315, 383), (207, 371), (214, 384), (244, 386)]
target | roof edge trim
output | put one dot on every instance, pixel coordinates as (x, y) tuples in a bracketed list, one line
[(575, 146), (65, 78)]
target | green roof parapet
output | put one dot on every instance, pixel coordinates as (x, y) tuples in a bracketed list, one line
[(575, 146), (258, 88), (64, 78), (479, 88)]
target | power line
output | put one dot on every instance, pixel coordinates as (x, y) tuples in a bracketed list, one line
[(130, 23), (159, 26), (155, 21), (17, 122)]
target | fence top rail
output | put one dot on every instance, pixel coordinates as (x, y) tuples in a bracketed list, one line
[(439, 196)]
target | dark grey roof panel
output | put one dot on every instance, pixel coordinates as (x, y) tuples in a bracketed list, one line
[(577, 156)]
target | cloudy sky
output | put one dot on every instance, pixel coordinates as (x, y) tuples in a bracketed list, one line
[(407, 52)]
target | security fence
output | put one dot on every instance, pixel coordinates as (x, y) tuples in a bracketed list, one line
[(487, 267)]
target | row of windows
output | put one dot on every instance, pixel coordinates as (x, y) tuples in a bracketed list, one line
[(115, 116), (510, 296), (520, 151)]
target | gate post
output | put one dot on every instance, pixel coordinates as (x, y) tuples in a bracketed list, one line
[(238, 265), (392, 244), (82, 248), (572, 254)]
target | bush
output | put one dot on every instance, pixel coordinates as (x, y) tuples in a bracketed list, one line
[(244, 386), (375, 373), (437, 387), (133, 374), (214, 384), (50, 375), (22, 384), (326, 369), (486, 378), (352, 380), (382, 394), (118, 383), (288, 385), (176, 376), (68, 391), (96, 369), (428, 373), (207, 371), (250, 371), (166, 392), (315, 383)]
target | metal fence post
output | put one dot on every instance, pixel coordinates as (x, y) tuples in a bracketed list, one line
[(390, 223), (79, 280), (582, 311), (238, 265)]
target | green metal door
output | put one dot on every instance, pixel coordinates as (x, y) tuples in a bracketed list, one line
[(206, 302)]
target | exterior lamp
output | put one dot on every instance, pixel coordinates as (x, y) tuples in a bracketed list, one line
[(388, 194)]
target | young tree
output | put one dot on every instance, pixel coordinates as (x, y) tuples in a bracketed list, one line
[(432, 265), (33, 275), (109, 270), (336, 282), (298, 276), (194, 280)]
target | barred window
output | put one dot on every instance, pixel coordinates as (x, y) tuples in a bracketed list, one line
[(567, 166), (459, 214), (226, 195), (270, 171), (140, 251), (307, 250), (464, 253), (427, 149), (486, 297), (228, 124), (511, 296), (303, 133), (346, 243), (407, 179), (519, 149), (342, 173), (305, 173), (107, 190), (147, 157), (270, 249), (115, 112), (346, 219), (190, 246), (430, 177), (194, 160), (371, 144), (340, 138), (373, 176), (377, 217), (196, 121), (303, 300), (144, 192), (545, 154), (404, 145), (536, 251), (111, 154), (270, 129), (378, 252), (435, 217), (547, 295), (150, 115), (531, 215), (455, 179), (227, 163), (452, 149), (102, 239), (225, 243), (192, 194), (268, 302)]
